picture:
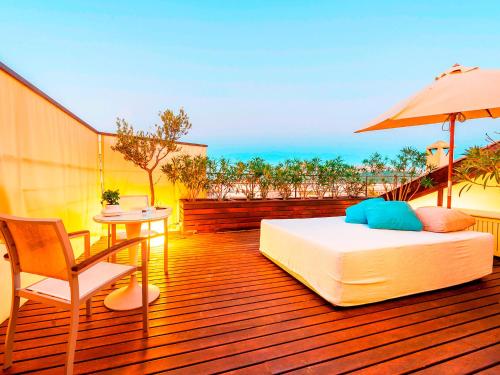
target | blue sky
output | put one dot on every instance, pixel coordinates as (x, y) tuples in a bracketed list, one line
[(272, 78)]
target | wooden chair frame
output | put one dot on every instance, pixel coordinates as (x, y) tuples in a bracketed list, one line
[(74, 269)]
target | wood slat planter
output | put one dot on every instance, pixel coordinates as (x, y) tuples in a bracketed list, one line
[(214, 216)]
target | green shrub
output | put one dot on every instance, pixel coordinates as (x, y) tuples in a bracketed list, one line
[(282, 180), (190, 171), (261, 175), (221, 176)]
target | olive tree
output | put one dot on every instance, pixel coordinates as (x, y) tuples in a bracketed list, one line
[(146, 149)]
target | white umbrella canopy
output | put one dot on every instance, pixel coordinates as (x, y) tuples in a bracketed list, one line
[(461, 93)]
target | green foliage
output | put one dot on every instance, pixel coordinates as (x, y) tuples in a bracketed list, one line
[(352, 180), (111, 197), (221, 176), (296, 174), (480, 167), (395, 174), (146, 149), (282, 180), (335, 171), (377, 171), (190, 171), (256, 178), (247, 181), (261, 173)]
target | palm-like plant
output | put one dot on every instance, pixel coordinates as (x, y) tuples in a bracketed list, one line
[(481, 167)]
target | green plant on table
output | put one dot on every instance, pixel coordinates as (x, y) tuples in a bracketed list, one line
[(110, 197)]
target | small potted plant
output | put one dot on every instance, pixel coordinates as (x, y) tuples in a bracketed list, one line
[(111, 199)]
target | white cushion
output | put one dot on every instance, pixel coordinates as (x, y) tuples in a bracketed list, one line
[(89, 280)]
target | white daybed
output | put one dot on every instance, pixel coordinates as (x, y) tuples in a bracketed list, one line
[(350, 264)]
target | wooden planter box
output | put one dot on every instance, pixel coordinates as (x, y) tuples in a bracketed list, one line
[(213, 216)]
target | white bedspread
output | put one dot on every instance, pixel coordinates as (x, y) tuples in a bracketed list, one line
[(350, 264)]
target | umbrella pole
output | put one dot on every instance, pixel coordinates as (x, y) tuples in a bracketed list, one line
[(453, 117)]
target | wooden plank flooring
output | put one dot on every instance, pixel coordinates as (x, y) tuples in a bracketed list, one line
[(226, 308)]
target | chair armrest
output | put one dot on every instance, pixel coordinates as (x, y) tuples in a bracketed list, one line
[(83, 265), (79, 234)]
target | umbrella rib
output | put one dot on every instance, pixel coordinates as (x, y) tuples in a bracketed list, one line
[(489, 113)]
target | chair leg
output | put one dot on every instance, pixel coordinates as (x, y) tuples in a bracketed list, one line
[(9, 341), (88, 307), (73, 332)]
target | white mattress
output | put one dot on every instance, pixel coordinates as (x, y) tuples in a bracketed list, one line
[(350, 264)]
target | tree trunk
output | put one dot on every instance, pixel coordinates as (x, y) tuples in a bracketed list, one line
[(151, 187)]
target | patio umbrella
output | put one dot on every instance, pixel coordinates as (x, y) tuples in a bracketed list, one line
[(460, 93)]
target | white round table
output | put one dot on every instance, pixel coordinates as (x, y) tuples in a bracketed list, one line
[(130, 296)]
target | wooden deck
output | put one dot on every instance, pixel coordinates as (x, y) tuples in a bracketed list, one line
[(226, 308)]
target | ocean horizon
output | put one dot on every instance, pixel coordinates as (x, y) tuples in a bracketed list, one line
[(276, 155)]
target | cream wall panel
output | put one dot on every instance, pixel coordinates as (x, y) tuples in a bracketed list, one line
[(476, 198), (48, 165)]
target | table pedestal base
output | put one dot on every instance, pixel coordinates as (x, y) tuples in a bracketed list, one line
[(130, 297)]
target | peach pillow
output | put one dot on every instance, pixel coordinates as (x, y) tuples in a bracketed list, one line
[(441, 219)]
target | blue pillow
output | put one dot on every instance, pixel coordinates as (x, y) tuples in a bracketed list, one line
[(395, 215), (356, 213)]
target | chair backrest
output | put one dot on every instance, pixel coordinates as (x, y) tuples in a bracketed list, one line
[(133, 202), (38, 246)]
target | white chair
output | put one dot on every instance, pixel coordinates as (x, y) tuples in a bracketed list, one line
[(42, 247)]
